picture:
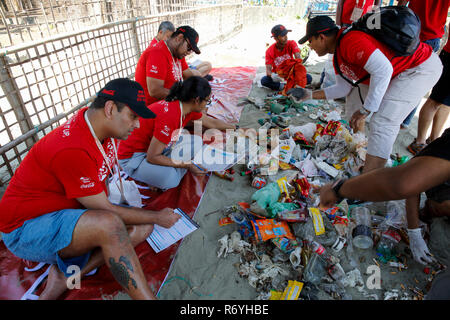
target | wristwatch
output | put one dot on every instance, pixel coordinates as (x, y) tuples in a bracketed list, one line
[(336, 187), (364, 111)]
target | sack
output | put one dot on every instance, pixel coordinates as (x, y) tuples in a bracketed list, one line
[(130, 195)]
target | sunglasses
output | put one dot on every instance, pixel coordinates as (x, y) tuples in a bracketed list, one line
[(189, 47)]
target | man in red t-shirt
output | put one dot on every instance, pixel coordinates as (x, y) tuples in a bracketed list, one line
[(165, 31), (198, 67), (160, 66), (395, 86), (348, 11), (56, 210), (278, 52)]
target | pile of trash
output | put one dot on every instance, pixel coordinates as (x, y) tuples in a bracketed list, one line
[(290, 247)]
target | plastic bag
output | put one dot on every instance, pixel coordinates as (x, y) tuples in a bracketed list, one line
[(267, 196), (329, 77)]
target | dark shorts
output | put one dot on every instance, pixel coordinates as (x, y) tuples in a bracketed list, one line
[(439, 148), (41, 238), (441, 90)]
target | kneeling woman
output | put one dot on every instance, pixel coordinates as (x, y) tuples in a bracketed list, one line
[(155, 153)]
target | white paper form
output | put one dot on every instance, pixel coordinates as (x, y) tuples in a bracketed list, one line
[(213, 159), (162, 238)]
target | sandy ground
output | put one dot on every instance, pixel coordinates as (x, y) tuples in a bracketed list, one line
[(197, 273)]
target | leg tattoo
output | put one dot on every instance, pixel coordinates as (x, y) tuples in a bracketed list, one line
[(120, 271)]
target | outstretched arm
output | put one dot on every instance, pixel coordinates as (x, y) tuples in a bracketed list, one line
[(407, 180)]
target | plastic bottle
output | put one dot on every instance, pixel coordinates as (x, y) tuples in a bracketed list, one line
[(362, 233), (387, 245), (315, 269)]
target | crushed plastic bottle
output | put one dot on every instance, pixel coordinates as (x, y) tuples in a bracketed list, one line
[(315, 269)]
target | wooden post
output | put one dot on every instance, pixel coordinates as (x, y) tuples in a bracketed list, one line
[(12, 93)]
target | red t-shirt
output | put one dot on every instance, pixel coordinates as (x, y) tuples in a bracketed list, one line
[(157, 62), (349, 5), (153, 42), (64, 165), (275, 57), (168, 116), (433, 15), (356, 47)]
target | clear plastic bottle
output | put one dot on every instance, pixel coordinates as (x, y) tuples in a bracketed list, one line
[(320, 250), (315, 269), (362, 233)]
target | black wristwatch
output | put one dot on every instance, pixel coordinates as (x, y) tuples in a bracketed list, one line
[(336, 187)]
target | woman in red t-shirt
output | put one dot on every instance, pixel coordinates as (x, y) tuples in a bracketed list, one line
[(159, 153)]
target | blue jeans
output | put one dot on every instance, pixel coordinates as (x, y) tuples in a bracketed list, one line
[(275, 85), (434, 43)]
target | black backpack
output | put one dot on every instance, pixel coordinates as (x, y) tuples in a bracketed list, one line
[(399, 29)]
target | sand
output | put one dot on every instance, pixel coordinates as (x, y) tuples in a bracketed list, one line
[(197, 272)]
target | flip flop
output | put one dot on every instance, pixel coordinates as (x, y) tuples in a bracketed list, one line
[(415, 147)]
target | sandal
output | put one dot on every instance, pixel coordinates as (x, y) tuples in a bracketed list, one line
[(415, 147)]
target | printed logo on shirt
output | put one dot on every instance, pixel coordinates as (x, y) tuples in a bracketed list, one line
[(359, 55), (103, 172), (280, 59), (86, 183), (154, 69), (66, 127), (165, 131), (66, 132), (349, 73)]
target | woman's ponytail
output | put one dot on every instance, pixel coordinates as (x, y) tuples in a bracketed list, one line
[(175, 91), (193, 87)]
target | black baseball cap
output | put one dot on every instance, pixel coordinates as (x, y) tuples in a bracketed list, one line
[(279, 30), (317, 25), (190, 35), (128, 92)]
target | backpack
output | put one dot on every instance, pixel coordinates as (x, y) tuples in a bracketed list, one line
[(399, 29)]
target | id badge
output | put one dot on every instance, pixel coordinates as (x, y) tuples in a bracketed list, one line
[(356, 14)]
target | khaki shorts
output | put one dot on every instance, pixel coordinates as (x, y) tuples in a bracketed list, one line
[(402, 95)]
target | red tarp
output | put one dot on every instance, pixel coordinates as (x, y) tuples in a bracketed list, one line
[(229, 85)]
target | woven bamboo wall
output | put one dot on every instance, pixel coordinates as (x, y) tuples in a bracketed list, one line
[(44, 81)]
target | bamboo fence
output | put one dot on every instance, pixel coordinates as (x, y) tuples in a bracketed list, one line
[(45, 80)]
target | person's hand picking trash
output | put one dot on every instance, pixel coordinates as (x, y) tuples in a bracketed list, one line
[(418, 247)]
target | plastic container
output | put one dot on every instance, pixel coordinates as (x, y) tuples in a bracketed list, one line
[(315, 269), (362, 233)]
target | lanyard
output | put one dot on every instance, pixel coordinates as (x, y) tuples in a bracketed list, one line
[(102, 151), (176, 66)]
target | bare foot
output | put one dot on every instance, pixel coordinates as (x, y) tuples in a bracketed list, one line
[(55, 286)]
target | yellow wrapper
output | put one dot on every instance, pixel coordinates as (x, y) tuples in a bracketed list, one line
[(292, 291)]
